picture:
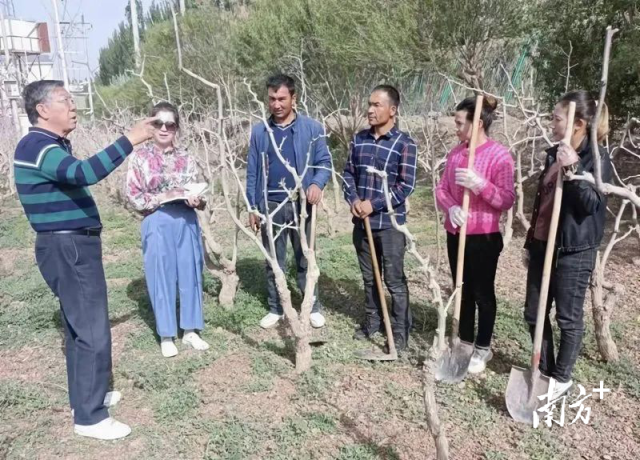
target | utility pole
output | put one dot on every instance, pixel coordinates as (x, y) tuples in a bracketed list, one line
[(136, 32), (63, 62), (182, 8), (90, 74), (7, 64)]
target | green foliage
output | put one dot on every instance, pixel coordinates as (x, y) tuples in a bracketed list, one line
[(118, 56), (578, 27)]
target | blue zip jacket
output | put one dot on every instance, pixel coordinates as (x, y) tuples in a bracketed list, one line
[(309, 142)]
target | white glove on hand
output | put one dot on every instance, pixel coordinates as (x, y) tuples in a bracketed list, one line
[(470, 179), (457, 216)]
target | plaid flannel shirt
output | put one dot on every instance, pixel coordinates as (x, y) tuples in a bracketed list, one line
[(396, 154)]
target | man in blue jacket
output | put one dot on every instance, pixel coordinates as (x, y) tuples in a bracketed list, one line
[(302, 143)]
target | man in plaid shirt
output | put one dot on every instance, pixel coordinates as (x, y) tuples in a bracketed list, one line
[(384, 147)]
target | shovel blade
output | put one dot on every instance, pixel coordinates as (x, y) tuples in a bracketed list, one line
[(375, 355), (523, 390), (453, 364)]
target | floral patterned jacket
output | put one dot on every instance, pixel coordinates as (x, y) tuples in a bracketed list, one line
[(153, 172)]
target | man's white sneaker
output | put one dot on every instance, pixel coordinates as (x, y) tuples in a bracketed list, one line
[(317, 319), (193, 340), (479, 360), (560, 388), (107, 430), (167, 347), (270, 320)]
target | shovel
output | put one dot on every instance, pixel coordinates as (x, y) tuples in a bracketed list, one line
[(452, 365), (378, 355), (525, 385)]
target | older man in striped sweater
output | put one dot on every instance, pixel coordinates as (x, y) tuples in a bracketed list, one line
[(52, 187)]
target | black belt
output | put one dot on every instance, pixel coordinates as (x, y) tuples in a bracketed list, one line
[(81, 231)]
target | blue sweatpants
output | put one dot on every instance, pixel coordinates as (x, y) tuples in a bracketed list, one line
[(173, 258)]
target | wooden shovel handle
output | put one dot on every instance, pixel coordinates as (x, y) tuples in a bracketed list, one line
[(550, 249), (462, 240), (383, 300)]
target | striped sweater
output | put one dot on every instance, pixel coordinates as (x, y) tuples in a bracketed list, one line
[(53, 185)]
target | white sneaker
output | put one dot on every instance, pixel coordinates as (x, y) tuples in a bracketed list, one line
[(193, 339), (107, 430), (270, 320), (479, 360), (560, 388), (111, 399), (167, 347), (317, 319)]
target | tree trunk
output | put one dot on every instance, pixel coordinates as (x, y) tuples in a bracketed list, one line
[(301, 330), (602, 306), (229, 288), (430, 405), (508, 228), (303, 353), (218, 264)]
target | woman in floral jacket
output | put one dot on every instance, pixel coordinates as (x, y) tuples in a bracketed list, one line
[(171, 242)]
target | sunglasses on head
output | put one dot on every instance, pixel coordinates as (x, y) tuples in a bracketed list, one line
[(169, 125)]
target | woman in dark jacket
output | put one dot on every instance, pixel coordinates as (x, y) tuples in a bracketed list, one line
[(580, 231)]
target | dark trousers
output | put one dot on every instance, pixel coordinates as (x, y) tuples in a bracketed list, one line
[(285, 216), (570, 277), (390, 249), (478, 289), (72, 267)]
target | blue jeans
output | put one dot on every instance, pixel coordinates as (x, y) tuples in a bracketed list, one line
[(173, 257), (283, 217), (570, 277)]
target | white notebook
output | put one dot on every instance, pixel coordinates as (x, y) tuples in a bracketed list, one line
[(190, 190)]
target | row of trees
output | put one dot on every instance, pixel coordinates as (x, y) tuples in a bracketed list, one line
[(410, 43)]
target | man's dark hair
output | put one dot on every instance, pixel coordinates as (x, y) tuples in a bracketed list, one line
[(166, 107), (391, 91), (36, 93), (275, 82)]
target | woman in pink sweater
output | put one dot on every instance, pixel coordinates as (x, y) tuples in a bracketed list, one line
[(490, 180)]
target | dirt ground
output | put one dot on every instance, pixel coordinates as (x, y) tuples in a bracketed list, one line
[(242, 398)]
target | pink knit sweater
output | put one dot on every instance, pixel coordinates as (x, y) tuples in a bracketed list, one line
[(494, 163)]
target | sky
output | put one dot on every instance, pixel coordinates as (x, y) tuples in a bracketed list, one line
[(103, 15)]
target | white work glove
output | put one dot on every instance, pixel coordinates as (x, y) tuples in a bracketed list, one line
[(470, 179), (457, 216)]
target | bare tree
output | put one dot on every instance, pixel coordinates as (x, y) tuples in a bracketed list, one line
[(603, 306)]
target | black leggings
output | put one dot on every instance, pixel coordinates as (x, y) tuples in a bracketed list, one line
[(480, 264)]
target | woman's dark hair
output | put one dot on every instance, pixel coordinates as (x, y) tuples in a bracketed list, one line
[(166, 107), (489, 104), (586, 108)]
